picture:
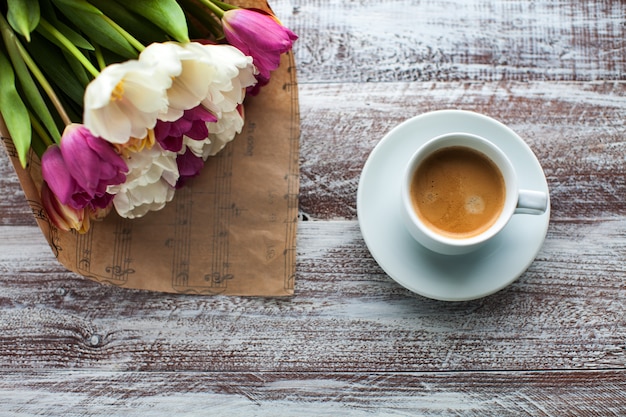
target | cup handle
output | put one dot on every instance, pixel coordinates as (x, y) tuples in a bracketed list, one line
[(531, 202)]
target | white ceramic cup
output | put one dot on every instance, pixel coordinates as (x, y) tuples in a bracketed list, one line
[(515, 200)]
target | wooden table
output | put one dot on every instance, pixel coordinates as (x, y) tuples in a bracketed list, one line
[(352, 341)]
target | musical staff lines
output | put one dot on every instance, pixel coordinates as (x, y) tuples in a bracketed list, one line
[(223, 210), (217, 274), (117, 270), (120, 267), (11, 150), (41, 216), (292, 177), (181, 243), (83, 253)]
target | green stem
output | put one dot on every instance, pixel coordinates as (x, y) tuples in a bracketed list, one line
[(69, 46), (213, 7), (43, 82), (224, 6), (205, 21), (41, 133), (99, 57), (130, 38)]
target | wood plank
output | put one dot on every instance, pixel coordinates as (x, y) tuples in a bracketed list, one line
[(566, 312), (453, 40), (78, 393), (576, 130)]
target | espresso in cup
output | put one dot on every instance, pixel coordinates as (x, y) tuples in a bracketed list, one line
[(458, 192)]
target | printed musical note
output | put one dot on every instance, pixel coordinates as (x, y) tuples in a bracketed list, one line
[(118, 267)]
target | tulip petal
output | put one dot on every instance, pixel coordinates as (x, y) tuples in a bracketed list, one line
[(125, 100), (259, 35), (59, 215), (56, 174), (91, 161)]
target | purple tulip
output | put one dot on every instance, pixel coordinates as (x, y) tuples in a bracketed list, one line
[(189, 166), (259, 35), (81, 168), (192, 125)]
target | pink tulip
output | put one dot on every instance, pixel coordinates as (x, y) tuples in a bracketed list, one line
[(63, 216), (57, 176), (81, 168), (91, 160), (259, 35)]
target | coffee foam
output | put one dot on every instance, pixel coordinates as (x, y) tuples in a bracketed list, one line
[(458, 192)]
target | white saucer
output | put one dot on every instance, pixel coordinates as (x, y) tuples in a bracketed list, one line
[(441, 277)]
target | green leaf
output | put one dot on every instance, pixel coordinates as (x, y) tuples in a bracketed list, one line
[(110, 57), (13, 110), (77, 68), (203, 21), (76, 38), (80, 5), (29, 88), (48, 11), (135, 24), (56, 67), (166, 14), (23, 16), (93, 24)]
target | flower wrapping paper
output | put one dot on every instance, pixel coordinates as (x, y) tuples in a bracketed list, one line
[(231, 230)]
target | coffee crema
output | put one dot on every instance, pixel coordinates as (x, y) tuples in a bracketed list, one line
[(458, 192)]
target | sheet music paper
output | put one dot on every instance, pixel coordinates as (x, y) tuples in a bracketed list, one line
[(232, 230)]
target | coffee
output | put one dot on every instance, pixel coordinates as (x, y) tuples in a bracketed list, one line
[(458, 192)]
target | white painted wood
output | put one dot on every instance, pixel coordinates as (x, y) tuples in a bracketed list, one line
[(451, 40), (351, 341), (329, 394), (347, 315)]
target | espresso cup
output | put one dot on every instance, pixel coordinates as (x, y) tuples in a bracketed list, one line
[(459, 191)]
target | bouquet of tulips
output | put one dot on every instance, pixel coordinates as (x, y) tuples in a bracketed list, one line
[(123, 101)]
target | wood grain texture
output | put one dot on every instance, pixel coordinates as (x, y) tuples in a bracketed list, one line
[(449, 40), (575, 129), (351, 341), (268, 393), (347, 315)]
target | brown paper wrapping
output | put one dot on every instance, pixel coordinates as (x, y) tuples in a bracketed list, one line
[(231, 230)]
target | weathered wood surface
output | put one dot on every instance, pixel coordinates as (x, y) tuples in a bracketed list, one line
[(576, 130), (473, 394), (352, 341)]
